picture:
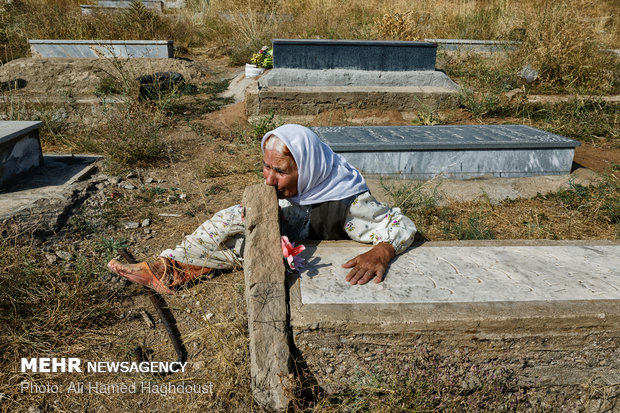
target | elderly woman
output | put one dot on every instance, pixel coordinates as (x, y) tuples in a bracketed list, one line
[(321, 196)]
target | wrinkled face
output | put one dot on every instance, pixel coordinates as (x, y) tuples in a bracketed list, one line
[(280, 171)]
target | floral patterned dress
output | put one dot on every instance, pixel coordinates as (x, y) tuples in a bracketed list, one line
[(219, 241)]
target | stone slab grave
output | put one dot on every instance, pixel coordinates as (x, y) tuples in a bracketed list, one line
[(55, 182), (451, 151), (546, 302), (469, 45), (102, 48), (310, 76), (533, 307), (117, 5), (437, 278), (20, 149)]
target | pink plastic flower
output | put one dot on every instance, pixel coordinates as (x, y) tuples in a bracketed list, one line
[(289, 250)]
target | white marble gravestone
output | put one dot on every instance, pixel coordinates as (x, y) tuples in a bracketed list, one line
[(467, 274), (93, 49)]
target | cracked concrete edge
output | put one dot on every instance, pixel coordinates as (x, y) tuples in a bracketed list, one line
[(47, 212), (313, 100), (489, 318), (85, 172), (266, 296)]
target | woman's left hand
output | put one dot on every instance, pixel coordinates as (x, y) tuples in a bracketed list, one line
[(369, 265)]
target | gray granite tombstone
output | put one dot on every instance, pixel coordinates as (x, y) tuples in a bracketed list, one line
[(451, 151), (20, 149)]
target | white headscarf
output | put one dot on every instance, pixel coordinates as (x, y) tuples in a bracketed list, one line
[(323, 174)]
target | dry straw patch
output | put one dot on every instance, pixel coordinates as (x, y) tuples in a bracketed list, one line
[(563, 43)]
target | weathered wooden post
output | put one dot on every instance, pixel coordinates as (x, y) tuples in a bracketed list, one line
[(265, 289)]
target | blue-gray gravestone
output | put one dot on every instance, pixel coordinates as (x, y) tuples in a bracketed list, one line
[(353, 54), (20, 149), (460, 152)]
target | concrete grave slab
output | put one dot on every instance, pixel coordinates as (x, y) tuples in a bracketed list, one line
[(46, 185), (547, 311), (469, 45), (450, 151), (340, 77), (461, 282), (20, 149), (319, 54), (472, 274), (312, 100), (102, 48)]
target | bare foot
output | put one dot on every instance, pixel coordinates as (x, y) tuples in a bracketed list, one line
[(139, 273)]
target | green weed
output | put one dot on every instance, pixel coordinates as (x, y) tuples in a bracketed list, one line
[(418, 200), (584, 120), (428, 117), (156, 190), (264, 124), (130, 137), (480, 23), (473, 229), (601, 201), (479, 104), (107, 86), (413, 197), (109, 247)]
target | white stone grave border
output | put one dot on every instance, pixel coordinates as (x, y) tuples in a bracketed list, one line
[(92, 49)]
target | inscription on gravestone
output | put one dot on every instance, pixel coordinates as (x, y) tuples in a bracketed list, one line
[(463, 151), (384, 138)]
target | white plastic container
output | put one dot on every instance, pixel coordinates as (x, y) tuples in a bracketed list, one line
[(253, 71)]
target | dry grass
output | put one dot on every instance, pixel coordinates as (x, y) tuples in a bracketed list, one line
[(44, 308), (561, 40), (578, 212)]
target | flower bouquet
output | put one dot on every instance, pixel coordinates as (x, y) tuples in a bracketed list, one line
[(263, 58)]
